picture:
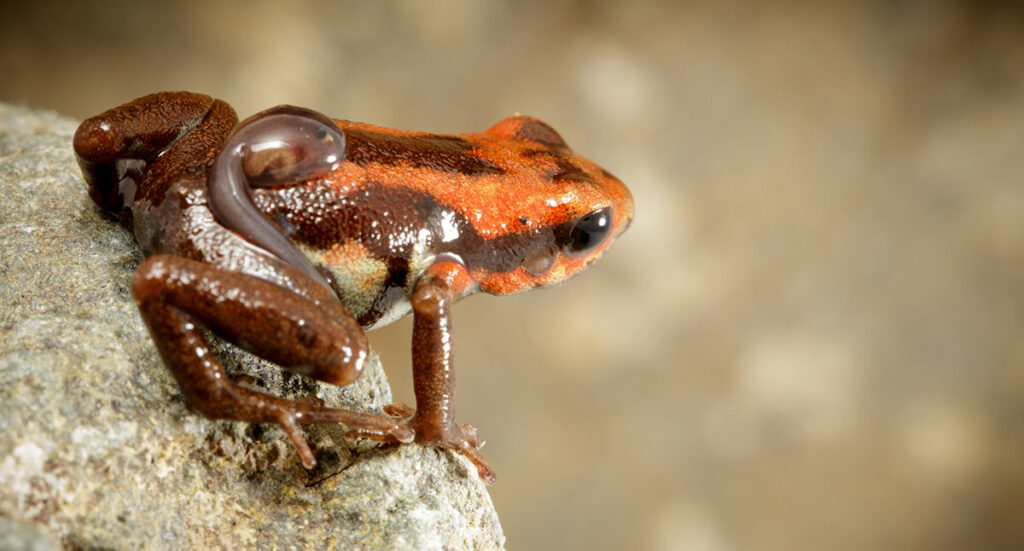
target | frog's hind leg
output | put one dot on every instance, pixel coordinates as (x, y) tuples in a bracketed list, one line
[(117, 148), (174, 294)]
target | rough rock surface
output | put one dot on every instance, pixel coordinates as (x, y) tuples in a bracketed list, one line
[(96, 446)]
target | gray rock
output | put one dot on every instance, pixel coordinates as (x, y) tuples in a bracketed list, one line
[(16, 535), (96, 446)]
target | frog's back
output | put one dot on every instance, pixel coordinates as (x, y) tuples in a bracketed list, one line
[(497, 201)]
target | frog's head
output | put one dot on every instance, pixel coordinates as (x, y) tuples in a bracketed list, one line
[(570, 209)]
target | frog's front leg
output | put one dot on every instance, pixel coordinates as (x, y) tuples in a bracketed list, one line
[(174, 293), (433, 368)]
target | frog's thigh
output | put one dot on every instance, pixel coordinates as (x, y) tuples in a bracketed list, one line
[(266, 319), (269, 320)]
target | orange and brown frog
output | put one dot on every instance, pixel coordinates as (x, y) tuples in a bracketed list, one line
[(290, 233)]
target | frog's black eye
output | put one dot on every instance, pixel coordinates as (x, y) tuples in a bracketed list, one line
[(589, 231)]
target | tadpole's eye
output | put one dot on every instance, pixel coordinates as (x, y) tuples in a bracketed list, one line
[(589, 231)]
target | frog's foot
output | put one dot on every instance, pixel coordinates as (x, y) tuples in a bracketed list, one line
[(222, 399), (289, 415), (460, 438)]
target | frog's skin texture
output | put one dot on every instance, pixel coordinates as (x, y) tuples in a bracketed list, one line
[(290, 233)]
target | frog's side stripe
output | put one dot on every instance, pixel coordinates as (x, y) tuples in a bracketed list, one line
[(329, 220), (443, 153)]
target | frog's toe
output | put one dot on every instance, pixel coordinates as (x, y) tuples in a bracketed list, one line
[(469, 447), (286, 420), (400, 411), (469, 436), (403, 434), (398, 433)]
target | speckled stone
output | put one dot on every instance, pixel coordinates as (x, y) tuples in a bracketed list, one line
[(96, 446)]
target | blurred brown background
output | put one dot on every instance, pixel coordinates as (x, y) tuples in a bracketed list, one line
[(810, 338)]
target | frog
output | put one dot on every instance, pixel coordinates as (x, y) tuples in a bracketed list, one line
[(290, 234)]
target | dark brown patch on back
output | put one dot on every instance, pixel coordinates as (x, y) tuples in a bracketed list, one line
[(566, 170), (538, 131), (569, 171), (607, 174), (443, 153)]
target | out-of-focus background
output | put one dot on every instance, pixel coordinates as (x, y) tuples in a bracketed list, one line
[(810, 338)]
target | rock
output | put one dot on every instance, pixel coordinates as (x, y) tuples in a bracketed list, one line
[(97, 449), (22, 536)]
